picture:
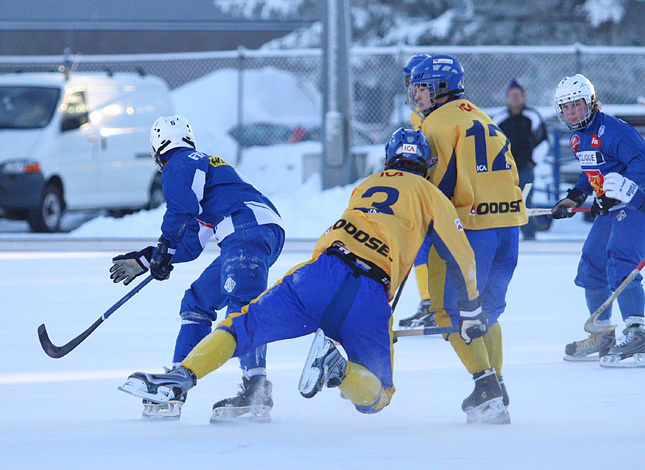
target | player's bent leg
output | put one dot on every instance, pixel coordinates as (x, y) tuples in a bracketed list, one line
[(364, 389)]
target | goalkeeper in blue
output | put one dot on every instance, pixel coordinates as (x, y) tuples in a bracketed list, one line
[(342, 293), (206, 198)]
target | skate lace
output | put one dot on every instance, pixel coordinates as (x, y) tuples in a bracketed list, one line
[(627, 338), (592, 340)]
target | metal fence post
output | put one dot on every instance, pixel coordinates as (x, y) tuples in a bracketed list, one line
[(240, 102)]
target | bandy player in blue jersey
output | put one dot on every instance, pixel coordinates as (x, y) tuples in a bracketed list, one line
[(615, 244), (206, 198)]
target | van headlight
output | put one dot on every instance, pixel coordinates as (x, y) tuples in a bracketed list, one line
[(17, 167)]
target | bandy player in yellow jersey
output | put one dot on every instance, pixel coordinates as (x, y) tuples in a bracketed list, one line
[(476, 171), (343, 292)]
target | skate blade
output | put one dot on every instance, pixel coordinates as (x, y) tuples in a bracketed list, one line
[(256, 414), (139, 388), (614, 361), (590, 358), (308, 384), (154, 412), (488, 412)]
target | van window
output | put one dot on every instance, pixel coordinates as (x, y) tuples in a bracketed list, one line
[(27, 107), (75, 113)]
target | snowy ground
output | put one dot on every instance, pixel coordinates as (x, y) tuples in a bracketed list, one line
[(67, 413)]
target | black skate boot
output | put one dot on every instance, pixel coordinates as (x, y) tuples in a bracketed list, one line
[(486, 403), (254, 399), (424, 318), (324, 366), (629, 351), (590, 349), (160, 388)]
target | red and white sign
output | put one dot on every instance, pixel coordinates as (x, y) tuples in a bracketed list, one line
[(595, 141), (575, 142), (409, 148)]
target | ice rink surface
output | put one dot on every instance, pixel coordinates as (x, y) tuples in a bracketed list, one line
[(68, 413)]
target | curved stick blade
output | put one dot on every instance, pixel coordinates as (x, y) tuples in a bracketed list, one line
[(48, 347)]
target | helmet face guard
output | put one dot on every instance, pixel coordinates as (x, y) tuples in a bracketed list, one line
[(433, 78), (574, 102), (409, 66)]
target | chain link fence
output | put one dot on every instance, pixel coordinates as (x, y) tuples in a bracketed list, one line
[(378, 93)]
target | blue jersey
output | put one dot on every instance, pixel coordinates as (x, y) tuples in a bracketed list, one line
[(608, 145), (205, 198)]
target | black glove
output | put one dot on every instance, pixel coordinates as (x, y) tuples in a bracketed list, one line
[(160, 266), (575, 198), (472, 325), (130, 265), (602, 204)]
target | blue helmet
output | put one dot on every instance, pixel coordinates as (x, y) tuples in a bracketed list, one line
[(408, 149), (412, 62), (440, 75)]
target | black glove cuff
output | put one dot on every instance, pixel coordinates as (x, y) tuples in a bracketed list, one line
[(576, 196)]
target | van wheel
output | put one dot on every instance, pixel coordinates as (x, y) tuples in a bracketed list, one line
[(47, 217), (156, 195)]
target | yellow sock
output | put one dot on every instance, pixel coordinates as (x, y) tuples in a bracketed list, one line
[(494, 347), (421, 275), (475, 355), (210, 353)]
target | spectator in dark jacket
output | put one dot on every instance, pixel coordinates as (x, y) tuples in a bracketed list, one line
[(528, 136)]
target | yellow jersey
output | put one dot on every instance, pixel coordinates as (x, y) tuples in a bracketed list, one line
[(475, 167), (388, 217)]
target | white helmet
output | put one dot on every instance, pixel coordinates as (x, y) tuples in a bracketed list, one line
[(572, 89), (169, 133)]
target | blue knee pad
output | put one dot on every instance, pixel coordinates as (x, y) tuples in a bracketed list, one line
[(254, 362), (632, 300), (595, 297), (194, 328)]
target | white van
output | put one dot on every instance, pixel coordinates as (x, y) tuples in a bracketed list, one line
[(78, 142)]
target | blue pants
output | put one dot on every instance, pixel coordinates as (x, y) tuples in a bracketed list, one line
[(324, 293), (496, 253), (237, 276), (614, 247)]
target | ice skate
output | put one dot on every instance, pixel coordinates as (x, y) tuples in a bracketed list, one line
[(630, 350), (160, 388), (590, 349), (170, 410), (486, 403), (424, 318), (253, 400), (324, 366)]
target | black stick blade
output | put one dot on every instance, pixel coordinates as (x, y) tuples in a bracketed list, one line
[(59, 351), (48, 347)]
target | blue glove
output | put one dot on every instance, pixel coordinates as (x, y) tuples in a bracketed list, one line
[(472, 325), (160, 266), (130, 265)]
